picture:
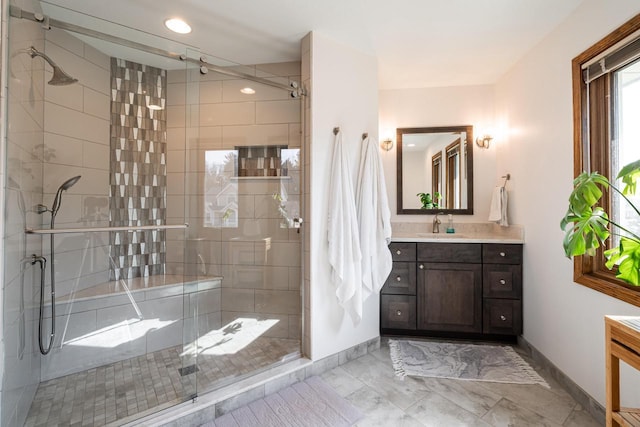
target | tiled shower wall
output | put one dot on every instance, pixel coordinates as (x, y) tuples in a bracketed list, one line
[(258, 256), (76, 142), (138, 168)]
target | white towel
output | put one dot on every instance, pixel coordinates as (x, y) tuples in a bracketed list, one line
[(374, 220), (343, 236), (498, 209)]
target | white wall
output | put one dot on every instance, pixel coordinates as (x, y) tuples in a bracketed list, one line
[(443, 106), (343, 93), (534, 102)]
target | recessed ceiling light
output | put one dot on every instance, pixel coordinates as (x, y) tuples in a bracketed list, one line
[(411, 145), (177, 25), (247, 91)]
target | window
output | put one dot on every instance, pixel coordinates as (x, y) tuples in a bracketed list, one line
[(436, 173), (454, 183), (606, 103)]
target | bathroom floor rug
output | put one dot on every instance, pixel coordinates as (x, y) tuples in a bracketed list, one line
[(462, 361)]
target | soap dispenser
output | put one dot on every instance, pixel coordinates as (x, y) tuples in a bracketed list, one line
[(450, 228)]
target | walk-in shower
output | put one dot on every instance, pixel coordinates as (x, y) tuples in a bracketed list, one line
[(175, 261)]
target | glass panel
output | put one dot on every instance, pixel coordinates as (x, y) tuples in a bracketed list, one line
[(95, 153), (625, 146), (23, 191), (245, 204)]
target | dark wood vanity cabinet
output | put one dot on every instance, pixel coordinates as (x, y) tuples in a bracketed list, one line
[(453, 288)]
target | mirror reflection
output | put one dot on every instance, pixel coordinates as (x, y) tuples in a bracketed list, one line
[(435, 170)]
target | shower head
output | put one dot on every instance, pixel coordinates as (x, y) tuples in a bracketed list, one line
[(57, 201), (60, 78)]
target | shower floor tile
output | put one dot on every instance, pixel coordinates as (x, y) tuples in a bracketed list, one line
[(143, 384)]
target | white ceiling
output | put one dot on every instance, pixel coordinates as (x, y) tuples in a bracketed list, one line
[(418, 43)]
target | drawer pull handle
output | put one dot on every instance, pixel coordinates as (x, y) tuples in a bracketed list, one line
[(421, 267), (399, 279), (502, 254), (398, 252), (398, 313), (503, 318), (503, 282)]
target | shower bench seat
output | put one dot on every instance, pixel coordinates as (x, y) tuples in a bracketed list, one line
[(119, 292)]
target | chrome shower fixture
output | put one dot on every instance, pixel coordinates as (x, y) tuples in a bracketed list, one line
[(57, 201), (60, 78)]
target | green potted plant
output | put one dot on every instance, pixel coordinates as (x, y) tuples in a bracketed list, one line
[(587, 225), (427, 201)]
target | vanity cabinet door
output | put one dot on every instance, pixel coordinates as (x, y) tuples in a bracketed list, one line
[(449, 297), (501, 253), (502, 316), (401, 280), (502, 281), (398, 312), (403, 251)]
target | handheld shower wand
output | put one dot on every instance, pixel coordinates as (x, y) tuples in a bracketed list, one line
[(58, 199), (57, 202)]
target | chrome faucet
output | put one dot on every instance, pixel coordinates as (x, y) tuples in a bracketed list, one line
[(436, 223)]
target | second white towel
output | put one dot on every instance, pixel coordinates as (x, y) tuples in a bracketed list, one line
[(498, 208)]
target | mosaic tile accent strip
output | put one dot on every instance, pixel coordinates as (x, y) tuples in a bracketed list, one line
[(260, 161), (122, 391), (138, 175)]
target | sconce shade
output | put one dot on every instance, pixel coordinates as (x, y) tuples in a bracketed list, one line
[(386, 144), (483, 141)]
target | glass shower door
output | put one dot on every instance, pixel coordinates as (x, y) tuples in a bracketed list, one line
[(121, 313), (244, 217)]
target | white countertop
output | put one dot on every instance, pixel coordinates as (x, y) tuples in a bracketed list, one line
[(464, 233)]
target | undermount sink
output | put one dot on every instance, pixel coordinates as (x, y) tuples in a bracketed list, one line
[(442, 235)]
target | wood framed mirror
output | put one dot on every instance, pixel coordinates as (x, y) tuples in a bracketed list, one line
[(435, 161)]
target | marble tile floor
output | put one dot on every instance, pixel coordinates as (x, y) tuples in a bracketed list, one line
[(120, 392), (369, 384)]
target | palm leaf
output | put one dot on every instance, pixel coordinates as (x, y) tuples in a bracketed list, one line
[(629, 175), (627, 257), (587, 231), (586, 191)]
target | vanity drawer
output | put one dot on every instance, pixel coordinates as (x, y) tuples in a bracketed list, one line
[(502, 316), (402, 279), (502, 280), (498, 253), (450, 252), (398, 312), (403, 251)]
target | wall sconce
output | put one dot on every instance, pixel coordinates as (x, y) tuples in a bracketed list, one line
[(483, 141), (386, 144)]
